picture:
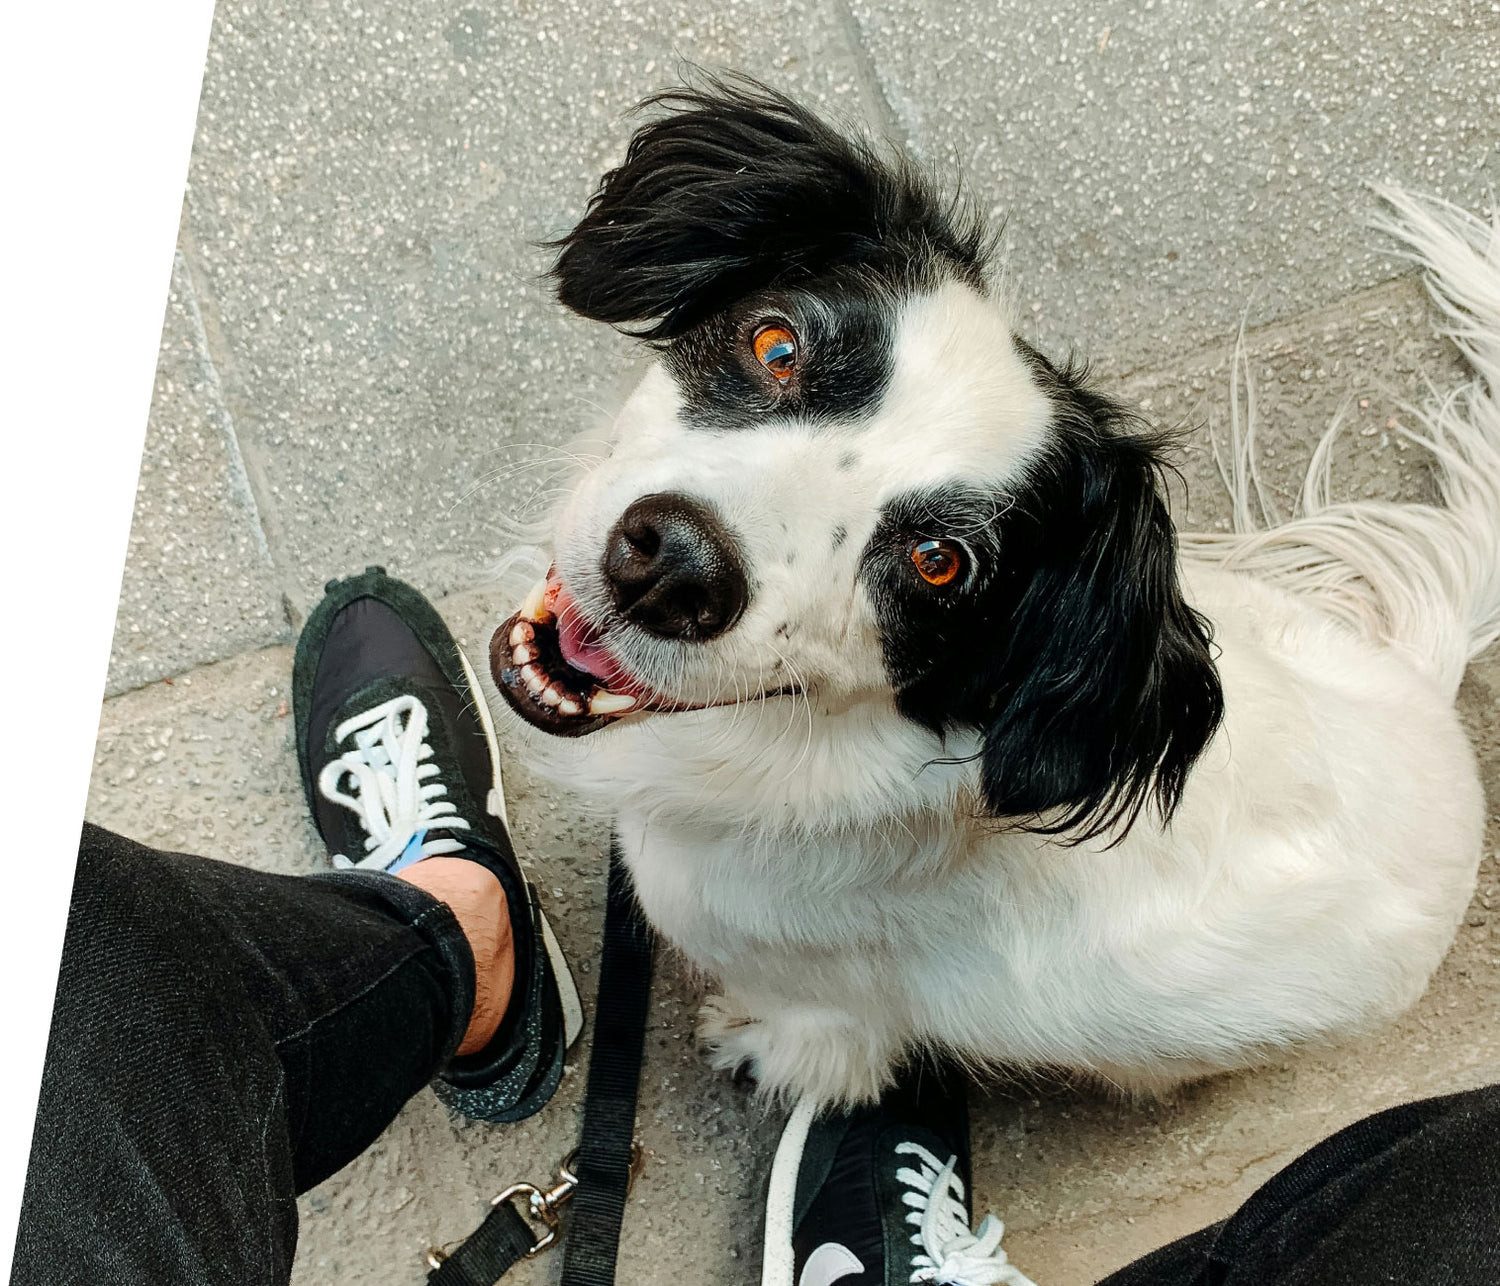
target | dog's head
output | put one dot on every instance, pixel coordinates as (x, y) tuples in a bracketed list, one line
[(844, 481)]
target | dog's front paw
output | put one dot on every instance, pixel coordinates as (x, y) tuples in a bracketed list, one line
[(795, 1053)]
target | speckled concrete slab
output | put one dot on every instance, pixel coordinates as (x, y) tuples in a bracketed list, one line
[(1164, 166), (199, 584)]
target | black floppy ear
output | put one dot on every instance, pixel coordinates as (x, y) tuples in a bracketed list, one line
[(738, 187), (1107, 691)]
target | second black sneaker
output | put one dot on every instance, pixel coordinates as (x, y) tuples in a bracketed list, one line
[(400, 763), (878, 1196)]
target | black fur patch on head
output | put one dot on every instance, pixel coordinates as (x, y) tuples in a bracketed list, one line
[(739, 189), (1068, 644)]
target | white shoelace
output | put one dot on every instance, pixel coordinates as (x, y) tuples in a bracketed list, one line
[(392, 791), (949, 1254)]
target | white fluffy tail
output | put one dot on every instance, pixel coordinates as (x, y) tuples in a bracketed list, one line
[(1424, 579)]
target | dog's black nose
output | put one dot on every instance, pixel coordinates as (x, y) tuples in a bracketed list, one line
[(673, 569)]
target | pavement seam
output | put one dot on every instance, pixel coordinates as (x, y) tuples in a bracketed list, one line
[(239, 480), (1392, 292), (191, 671), (877, 103), (246, 466)]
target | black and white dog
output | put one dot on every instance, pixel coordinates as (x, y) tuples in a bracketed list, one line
[(919, 726)]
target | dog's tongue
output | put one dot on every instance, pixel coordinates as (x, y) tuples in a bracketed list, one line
[(584, 650)]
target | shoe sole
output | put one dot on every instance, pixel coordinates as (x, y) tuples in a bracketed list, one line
[(777, 1265)]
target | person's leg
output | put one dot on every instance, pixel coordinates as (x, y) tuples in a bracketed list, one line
[(1411, 1195), (223, 1039), (477, 900)]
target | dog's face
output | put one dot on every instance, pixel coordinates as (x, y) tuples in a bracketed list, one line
[(845, 487)]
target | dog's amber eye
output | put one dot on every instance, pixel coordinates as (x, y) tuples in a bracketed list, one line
[(938, 562), (776, 349)]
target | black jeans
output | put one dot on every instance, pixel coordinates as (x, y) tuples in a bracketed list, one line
[(1410, 1196), (224, 1039)]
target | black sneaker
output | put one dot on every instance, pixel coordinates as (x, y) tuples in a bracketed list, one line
[(399, 762), (877, 1196)]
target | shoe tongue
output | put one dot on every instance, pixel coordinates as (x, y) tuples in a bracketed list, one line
[(892, 1191), (938, 1146), (411, 854), (375, 693)]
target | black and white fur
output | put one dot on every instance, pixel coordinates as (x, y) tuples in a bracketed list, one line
[(1115, 805)]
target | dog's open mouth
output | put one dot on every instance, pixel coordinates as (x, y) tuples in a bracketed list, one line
[(557, 674), (553, 670)]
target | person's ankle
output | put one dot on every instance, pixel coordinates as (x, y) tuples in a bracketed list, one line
[(478, 903)]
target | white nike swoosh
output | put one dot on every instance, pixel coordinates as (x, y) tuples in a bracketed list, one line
[(828, 1263)]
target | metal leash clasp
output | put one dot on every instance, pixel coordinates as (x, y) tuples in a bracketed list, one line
[(544, 1204)]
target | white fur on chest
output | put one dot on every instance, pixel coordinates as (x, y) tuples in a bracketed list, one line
[(1308, 885)]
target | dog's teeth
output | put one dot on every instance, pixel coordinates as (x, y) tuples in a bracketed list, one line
[(521, 655), (533, 609), (521, 633), (535, 680), (551, 697), (569, 707), (606, 702)]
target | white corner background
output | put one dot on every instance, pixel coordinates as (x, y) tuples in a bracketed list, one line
[(97, 102)]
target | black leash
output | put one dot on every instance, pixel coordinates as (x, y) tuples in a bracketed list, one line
[(596, 1177), (607, 1155)]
